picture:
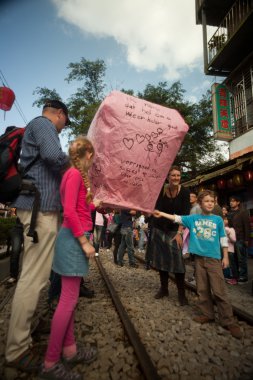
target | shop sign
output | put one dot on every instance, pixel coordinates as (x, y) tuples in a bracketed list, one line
[(221, 113)]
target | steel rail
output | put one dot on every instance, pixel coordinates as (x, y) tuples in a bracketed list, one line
[(147, 366), (239, 313)]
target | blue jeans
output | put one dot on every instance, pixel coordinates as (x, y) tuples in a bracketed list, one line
[(233, 264), (141, 239), (242, 255), (127, 242), (97, 237)]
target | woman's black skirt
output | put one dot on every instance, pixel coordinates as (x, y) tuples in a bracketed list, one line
[(166, 256)]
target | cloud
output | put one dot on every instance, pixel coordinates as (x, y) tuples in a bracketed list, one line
[(191, 98), (202, 86), (159, 34)]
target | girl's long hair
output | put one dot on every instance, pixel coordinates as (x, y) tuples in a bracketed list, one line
[(77, 150)]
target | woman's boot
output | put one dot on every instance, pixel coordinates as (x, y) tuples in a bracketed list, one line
[(179, 277), (164, 280)]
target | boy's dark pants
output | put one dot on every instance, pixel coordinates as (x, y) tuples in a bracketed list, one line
[(209, 276)]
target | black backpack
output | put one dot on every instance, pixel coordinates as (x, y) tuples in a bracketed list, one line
[(10, 177), (11, 181)]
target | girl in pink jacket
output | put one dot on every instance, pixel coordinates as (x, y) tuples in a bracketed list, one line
[(71, 260), (231, 235)]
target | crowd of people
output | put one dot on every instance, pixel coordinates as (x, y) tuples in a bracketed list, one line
[(72, 227)]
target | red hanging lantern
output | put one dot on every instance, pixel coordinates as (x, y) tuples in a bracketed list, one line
[(7, 98), (238, 179), (230, 183), (248, 175), (221, 184)]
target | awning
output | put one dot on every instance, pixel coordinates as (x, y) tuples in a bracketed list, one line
[(238, 165)]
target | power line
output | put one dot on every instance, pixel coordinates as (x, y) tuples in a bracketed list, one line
[(16, 104)]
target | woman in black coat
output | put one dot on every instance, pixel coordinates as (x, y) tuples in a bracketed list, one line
[(167, 237)]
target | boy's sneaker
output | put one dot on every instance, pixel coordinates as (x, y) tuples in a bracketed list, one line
[(231, 281), (234, 330), (242, 280), (58, 372)]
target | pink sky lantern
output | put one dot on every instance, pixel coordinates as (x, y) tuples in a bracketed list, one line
[(7, 98), (135, 143)]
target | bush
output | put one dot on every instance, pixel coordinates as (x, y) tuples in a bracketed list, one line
[(5, 226)]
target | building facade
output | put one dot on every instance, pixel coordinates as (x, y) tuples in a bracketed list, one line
[(228, 53), (227, 27)]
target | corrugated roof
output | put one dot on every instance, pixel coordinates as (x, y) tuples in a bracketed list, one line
[(238, 165)]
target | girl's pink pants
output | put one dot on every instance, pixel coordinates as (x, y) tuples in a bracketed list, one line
[(62, 325)]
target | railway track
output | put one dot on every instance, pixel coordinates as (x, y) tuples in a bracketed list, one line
[(147, 367), (142, 361), (172, 346)]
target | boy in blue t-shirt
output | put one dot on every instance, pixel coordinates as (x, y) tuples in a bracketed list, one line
[(207, 234)]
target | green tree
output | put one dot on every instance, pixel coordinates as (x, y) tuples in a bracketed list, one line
[(199, 150), (84, 103), (44, 94)]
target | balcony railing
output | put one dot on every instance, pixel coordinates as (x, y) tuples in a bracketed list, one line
[(199, 4), (241, 90), (230, 24)]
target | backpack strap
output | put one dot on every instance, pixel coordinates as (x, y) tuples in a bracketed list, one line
[(36, 204), (26, 170), (29, 188)]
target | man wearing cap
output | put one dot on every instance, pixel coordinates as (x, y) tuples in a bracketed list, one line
[(241, 223), (44, 162)]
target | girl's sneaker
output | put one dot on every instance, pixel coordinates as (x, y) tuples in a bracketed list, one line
[(231, 281), (58, 372), (83, 355)]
